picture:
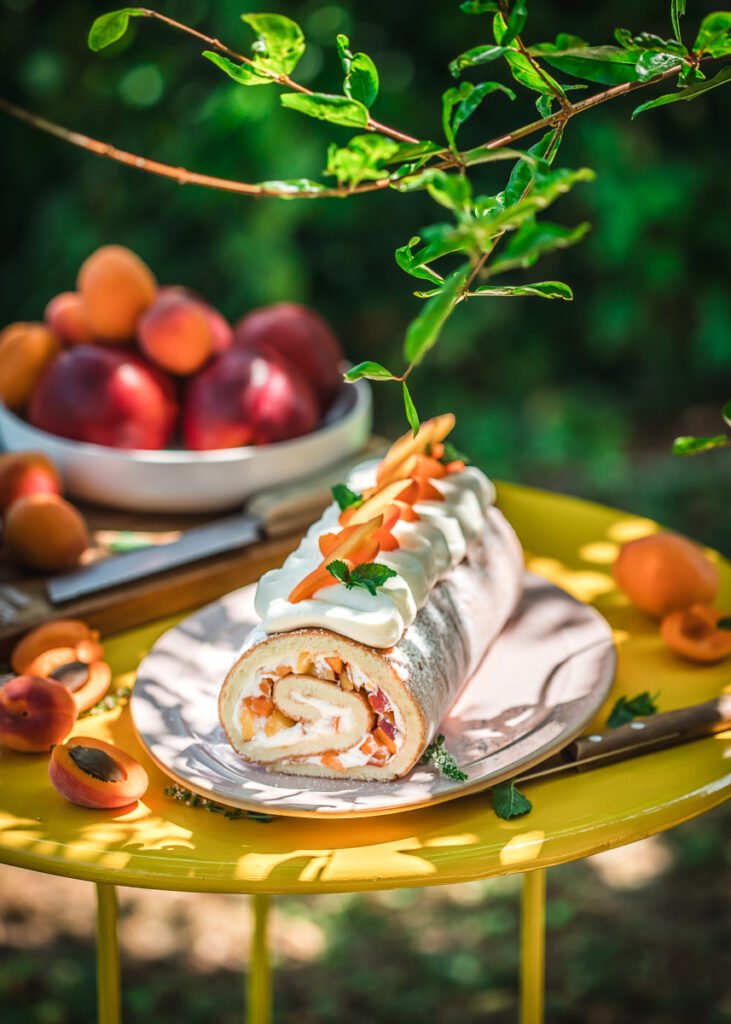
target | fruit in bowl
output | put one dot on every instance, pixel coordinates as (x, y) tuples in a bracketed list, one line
[(105, 396), (116, 288), (248, 396)]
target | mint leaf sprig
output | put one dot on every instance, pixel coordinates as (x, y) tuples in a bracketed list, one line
[(627, 709), (369, 575), (438, 755), (345, 497), (450, 454), (508, 802)]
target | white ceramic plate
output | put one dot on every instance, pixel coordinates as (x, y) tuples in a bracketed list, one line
[(543, 679), (183, 481)]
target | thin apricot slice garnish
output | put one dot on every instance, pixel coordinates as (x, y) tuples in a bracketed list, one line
[(430, 432), (694, 633), (344, 550)]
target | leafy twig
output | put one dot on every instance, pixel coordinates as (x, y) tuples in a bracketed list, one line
[(117, 699), (190, 799), (438, 755)]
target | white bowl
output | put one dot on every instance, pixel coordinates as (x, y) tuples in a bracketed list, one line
[(183, 481)]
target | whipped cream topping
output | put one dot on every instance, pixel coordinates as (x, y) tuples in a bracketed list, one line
[(429, 547)]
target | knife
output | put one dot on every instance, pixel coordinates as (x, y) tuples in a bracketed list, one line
[(274, 513)]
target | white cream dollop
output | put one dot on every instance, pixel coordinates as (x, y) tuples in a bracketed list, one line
[(429, 547)]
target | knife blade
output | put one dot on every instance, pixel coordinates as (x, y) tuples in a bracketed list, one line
[(273, 513)]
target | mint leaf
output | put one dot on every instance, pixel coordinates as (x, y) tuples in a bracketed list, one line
[(508, 802), (696, 445), (345, 497), (450, 454), (627, 709), (724, 623), (439, 756), (370, 576), (108, 28), (339, 570)]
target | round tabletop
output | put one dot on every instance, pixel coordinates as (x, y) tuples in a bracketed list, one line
[(163, 844)]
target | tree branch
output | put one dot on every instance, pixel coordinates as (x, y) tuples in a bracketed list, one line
[(285, 80)]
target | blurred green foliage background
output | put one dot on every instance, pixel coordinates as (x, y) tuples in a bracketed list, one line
[(584, 396)]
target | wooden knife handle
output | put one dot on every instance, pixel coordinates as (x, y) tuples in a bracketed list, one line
[(664, 729)]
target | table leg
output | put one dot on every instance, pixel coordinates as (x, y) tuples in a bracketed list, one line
[(107, 956), (532, 947), (259, 980)]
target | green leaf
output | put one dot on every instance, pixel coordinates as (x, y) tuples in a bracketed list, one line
[(607, 65), (108, 28), (339, 570), (696, 445), (240, 73), (451, 190), (370, 576), (714, 35), (726, 412), (361, 77), (627, 709), (479, 6), (474, 58), (292, 187), (691, 93), (677, 10), (466, 98), (545, 190), (279, 42), (450, 454), (363, 159), (369, 370), (535, 240), (521, 68), (439, 756), (412, 415), (407, 262), (544, 289), (654, 63), (424, 331), (415, 150), (325, 107), (508, 802), (346, 498), (724, 623), (524, 172)]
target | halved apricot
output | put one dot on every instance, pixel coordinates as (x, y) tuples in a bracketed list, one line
[(60, 633), (77, 670), (93, 773), (664, 573), (693, 633)]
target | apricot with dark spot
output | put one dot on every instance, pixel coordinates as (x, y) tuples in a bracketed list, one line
[(45, 532), (92, 773), (35, 713)]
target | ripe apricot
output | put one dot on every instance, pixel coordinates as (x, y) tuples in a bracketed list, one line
[(61, 633), (693, 633), (175, 333), (116, 288), (93, 773), (35, 713), (77, 669), (25, 351), (664, 573), (24, 473), (66, 318), (44, 531)]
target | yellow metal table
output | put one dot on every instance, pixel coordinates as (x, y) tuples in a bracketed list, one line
[(162, 844)]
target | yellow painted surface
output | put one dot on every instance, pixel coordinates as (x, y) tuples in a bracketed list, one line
[(162, 844)]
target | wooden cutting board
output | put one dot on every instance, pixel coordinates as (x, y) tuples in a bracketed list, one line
[(24, 602)]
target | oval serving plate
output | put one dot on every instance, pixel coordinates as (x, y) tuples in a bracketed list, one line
[(543, 680)]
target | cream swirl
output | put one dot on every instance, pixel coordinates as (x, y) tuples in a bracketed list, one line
[(428, 548)]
